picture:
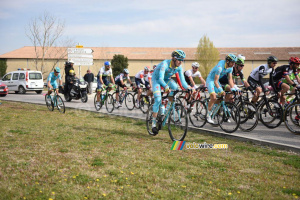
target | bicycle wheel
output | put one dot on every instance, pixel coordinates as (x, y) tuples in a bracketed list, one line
[(49, 102), (135, 100), (228, 117), (271, 118), (114, 95), (177, 123), (149, 121), (98, 107), (60, 104), (144, 103), (198, 113), (129, 101), (292, 118), (249, 116), (109, 103)]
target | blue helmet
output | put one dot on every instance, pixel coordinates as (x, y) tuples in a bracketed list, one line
[(126, 71), (178, 54), (231, 58), (107, 63), (57, 69)]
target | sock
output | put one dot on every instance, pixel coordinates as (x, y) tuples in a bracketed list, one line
[(153, 122)]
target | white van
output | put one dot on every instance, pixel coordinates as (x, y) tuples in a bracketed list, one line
[(24, 80)]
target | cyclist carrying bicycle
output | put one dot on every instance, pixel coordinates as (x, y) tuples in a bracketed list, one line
[(283, 72), (119, 80), (102, 79), (139, 78), (223, 68), (52, 80), (256, 76), (161, 77)]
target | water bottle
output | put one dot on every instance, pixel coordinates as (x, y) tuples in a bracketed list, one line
[(168, 106)]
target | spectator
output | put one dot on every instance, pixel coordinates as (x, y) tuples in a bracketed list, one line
[(89, 77)]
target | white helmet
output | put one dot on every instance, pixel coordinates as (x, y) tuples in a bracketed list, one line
[(241, 56), (71, 61), (195, 64)]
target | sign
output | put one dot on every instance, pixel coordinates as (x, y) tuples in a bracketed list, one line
[(79, 46), (81, 56)]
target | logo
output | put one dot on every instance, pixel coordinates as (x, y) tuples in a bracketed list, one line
[(178, 145)]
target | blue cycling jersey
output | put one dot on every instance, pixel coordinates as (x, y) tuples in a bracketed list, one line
[(220, 70), (52, 78), (163, 72)]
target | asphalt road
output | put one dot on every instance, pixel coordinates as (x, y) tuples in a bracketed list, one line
[(279, 137)]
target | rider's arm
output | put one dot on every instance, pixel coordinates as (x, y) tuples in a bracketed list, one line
[(230, 80), (288, 80), (216, 81), (100, 78), (202, 80), (161, 75), (182, 79), (260, 77), (178, 81), (112, 79), (49, 84)]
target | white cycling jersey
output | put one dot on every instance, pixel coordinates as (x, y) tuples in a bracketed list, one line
[(102, 72), (261, 70), (148, 76), (189, 73)]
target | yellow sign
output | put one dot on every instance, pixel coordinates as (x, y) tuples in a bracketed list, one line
[(79, 46)]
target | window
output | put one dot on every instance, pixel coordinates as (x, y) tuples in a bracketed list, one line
[(15, 76), (35, 76), (7, 77), (22, 76)]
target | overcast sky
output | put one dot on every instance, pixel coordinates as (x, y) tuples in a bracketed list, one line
[(158, 23)]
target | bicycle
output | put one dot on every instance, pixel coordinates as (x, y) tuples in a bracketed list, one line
[(175, 116), (227, 114), (292, 113), (105, 98), (54, 101), (124, 95), (198, 111)]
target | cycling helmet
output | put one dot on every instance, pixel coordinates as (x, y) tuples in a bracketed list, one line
[(231, 58), (126, 71), (146, 68), (240, 61), (195, 64), (178, 54), (241, 56), (107, 63), (294, 60), (71, 72), (57, 69), (71, 62), (272, 59), (67, 63), (154, 66)]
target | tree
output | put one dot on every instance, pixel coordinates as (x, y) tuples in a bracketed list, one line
[(45, 32), (207, 55), (3, 67), (119, 63)]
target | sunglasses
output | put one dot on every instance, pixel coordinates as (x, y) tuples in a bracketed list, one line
[(56, 72), (241, 65), (179, 59)]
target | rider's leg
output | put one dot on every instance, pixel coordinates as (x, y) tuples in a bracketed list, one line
[(284, 88), (256, 95), (228, 97)]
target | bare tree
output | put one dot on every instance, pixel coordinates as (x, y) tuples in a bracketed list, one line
[(207, 55), (45, 33)]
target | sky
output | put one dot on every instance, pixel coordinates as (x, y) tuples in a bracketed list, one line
[(157, 23)]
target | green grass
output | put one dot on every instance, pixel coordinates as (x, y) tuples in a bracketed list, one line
[(83, 155)]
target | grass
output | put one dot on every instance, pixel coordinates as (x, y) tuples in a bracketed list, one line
[(83, 155)]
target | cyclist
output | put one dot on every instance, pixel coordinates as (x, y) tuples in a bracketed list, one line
[(52, 80), (256, 76), (119, 80), (236, 72), (213, 85), (102, 79), (139, 78), (283, 72), (161, 77), (148, 82)]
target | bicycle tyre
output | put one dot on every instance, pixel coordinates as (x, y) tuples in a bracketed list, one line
[(134, 99), (149, 121), (249, 119), (95, 101), (178, 122), (144, 106), (276, 114), (114, 95), (198, 114), (129, 101), (291, 118), (233, 120), (50, 105), (109, 103), (60, 104)]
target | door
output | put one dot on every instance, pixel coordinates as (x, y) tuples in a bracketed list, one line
[(15, 82), (7, 80)]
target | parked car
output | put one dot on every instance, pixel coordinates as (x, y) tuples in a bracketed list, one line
[(3, 89), (24, 80)]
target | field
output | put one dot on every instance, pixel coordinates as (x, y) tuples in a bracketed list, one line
[(84, 155)]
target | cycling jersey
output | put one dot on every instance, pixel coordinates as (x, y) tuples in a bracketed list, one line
[(121, 77), (261, 70), (282, 71), (104, 74), (149, 76), (221, 70), (53, 79), (235, 74), (161, 76), (189, 73)]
